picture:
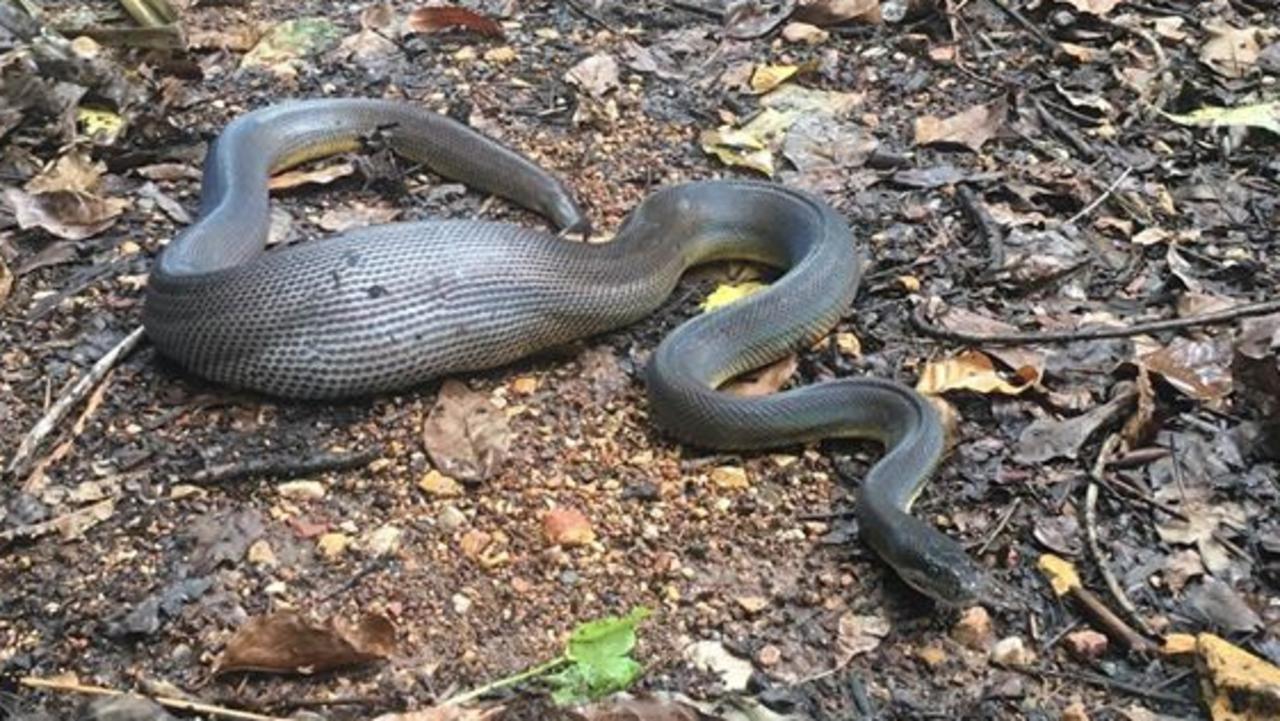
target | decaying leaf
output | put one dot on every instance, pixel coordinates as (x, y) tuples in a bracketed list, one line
[(288, 642), (1217, 603), (1230, 51), (337, 220), (446, 712), (973, 371), (466, 436), (597, 74), (1207, 515), (322, 175), (712, 656), (437, 19), (373, 45), (1048, 438), (65, 199), (747, 19), (283, 46), (1200, 369), (1237, 685), (1258, 115), (971, 128), (640, 709), (834, 12), (858, 634), (752, 145)]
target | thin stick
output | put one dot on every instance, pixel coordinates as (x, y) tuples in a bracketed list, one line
[(284, 468), (1101, 198), (22, 457), (1091, 535), (1027, 25), (1216, 318), (167, 701), (1110, 683)]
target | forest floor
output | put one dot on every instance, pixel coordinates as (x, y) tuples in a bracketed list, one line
[(1011, 167)]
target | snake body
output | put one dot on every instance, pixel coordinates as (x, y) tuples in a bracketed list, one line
[(390, 306)]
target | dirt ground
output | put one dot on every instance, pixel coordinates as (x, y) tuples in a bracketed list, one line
[(1013, 166)]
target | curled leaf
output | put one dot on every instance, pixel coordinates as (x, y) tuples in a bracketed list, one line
[(973, 371)]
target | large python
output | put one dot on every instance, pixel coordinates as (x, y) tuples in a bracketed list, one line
[(394, 305)]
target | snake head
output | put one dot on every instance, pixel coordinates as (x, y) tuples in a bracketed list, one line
[(946, 574)]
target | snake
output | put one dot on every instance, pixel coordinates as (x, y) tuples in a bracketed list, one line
[(391, 306)]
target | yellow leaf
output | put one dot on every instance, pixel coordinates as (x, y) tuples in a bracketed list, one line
[(1061, 574), (749, 146), (1237, 685), (768, 77), (972, 371), (99, 123), (909, 283), (1258, 115), (727, 293)]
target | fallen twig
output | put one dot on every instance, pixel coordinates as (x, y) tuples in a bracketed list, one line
[(21, 462), (988, 229), (1067, 336), (1027, 25), (284, 467), (1091, 536), (1112, 684), (166, 701), (1086, 210)]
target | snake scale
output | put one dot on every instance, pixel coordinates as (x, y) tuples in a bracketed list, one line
[(391, 306)]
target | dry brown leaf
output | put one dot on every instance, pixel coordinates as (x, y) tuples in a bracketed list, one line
[(1231, 52), (973, 371), (466, 436), (287, 642), (68, 214), (337, 220), (1141, 427), (597, 74), (318, 176), (1081, 53), (971, 128), (74, 171), (766, 380), (447, 712), (639, 709), (1200, 369), (833, 12), (767, 77), (437, 19)]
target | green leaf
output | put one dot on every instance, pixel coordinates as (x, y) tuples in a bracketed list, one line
[(597, 641), (599, 651), (1260, 115)]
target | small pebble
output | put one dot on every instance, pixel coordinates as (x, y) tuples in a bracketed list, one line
[(1087, 644), (974, 629), (438, 485), (804, 33), (301, 490), (461, 603), (752, 604), (932, 656), (567, 527), (730, 478), (332, 545), (451, 519), (1075, 712), (384, 541), (260, 554), (768, 656), (1011, 652)]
